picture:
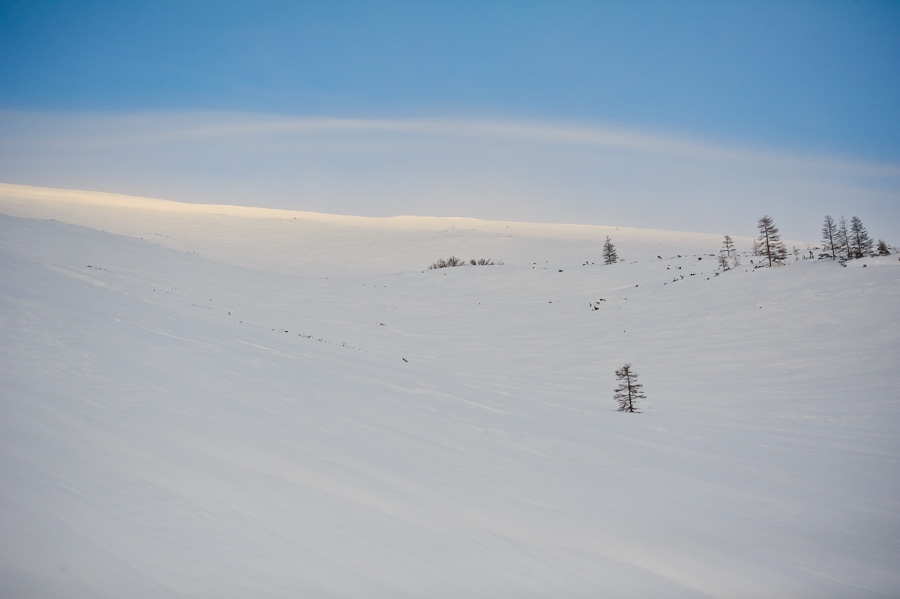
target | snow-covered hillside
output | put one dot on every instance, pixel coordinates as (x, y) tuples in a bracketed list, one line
[(209, 401)]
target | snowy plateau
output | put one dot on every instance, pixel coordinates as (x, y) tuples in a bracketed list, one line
[(213, 401)]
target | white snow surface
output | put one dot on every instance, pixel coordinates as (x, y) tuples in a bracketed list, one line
[(209, 401)]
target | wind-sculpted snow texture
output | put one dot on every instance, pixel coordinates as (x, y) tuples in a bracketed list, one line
[(215, 402)]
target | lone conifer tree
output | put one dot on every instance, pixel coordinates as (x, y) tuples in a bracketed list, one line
[(728, 246), (770, 246), (609, 252), (830, 237), (843, 239), (629, 390), (728, 252), (860, 241)]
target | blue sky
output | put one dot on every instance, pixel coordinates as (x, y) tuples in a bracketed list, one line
[(788, 108)]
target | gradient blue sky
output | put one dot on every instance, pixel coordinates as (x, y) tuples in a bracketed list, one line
[(789, 101)]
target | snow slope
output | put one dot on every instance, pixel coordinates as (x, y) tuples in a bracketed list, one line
[(210, 401)]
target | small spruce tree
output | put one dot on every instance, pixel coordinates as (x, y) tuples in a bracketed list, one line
[(629, 390), (830, 237), (860, 242), (728, 246), (609, 252), (843, 239), (728, 253), (883, 249), (770, 246)]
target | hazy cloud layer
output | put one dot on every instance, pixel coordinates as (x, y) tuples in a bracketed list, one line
[(506, 170)]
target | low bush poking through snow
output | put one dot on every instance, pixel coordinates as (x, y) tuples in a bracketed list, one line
[(454, 261), (447, 263)]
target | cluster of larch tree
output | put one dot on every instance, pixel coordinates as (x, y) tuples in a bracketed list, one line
[(844, 242), (841, 241)]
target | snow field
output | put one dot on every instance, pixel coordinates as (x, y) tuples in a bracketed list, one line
[(199, 404)]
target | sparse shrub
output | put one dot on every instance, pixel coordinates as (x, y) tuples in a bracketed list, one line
[(453, 261), (447, 263), (723, 261)]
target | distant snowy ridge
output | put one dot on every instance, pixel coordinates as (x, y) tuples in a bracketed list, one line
[(391, 244), (28, 198)]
